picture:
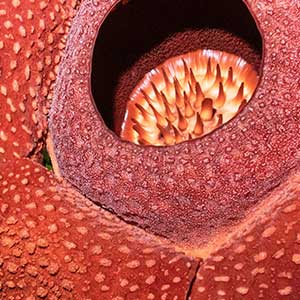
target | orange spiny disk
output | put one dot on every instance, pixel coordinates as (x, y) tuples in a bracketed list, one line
[(188, 96)]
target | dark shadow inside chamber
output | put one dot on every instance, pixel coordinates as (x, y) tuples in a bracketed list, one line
[(138, 36)]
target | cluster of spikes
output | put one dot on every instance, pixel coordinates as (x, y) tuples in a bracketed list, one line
[(188, 96)]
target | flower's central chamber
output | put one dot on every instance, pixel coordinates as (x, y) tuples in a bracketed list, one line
[(154, 81), (187, 97), (178, 68)]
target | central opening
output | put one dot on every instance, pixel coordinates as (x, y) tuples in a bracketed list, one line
[(199, 47), (186, 97)]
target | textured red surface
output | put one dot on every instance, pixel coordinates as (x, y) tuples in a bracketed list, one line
[(263, 262), (55, 244), (187, 191), (32, 38)]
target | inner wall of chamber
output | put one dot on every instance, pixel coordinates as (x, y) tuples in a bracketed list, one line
[(142, 34)]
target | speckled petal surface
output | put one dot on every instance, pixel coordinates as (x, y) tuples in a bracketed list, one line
[(262, 259), (55, 244), (32, 38)]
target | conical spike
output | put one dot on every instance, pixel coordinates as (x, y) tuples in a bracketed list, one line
[(170, 116), (167, 81), (142, 132), (207, 109), (229, 81), (209, 73), (178, 137), (219, 102), (186, 69), (159, 118), (218, 77), (182, 122), (198, 129), (192, 94), (179, 96), (165, 100), (220, 120), (167, 134), (189, 112), (199, 96), (193, 79), (239, 96), (147, 97), (139, 129), (240, 93), (219, 74), (146, 115), (133, 120), (157, 94)]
